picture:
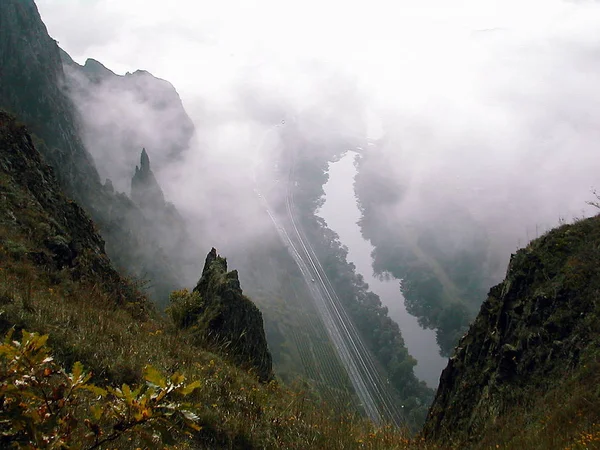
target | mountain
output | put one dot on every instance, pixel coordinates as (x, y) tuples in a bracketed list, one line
[(34, 88), (67, 317), (525, 375), (121, 114), (85, 361), (526, 372), (31, 88), (39, 223)]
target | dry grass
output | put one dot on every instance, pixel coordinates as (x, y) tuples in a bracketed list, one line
[(116, 342)]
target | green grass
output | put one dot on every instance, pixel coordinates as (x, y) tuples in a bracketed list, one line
[(115, 342), (566, 417)]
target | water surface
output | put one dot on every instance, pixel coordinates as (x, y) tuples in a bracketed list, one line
[(341, 213)]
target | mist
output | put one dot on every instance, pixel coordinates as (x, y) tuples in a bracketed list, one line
[(487, 105)]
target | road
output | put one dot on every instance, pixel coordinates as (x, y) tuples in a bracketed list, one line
[(368, 379)]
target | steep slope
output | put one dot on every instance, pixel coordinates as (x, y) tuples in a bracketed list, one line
[(32, 87), (39, 224), (532, 353), (31, 80)]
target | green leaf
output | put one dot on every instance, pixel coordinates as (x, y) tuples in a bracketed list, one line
[(95, 390), (127, 393), (153, 376), (97, 411), (41, 341), (187, 390), (177, 378), (77, 372)]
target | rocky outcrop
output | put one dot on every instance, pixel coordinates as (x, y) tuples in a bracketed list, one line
[(167, 226), (145, 190), (229, 320), (533, 331)]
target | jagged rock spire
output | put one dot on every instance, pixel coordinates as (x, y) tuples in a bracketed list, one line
[(145, 190), (229, 317), (144, 161)]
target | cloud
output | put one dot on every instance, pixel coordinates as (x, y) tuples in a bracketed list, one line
[(486, 104)]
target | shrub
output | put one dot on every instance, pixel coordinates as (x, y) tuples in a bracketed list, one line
[(185, 308), (44, 406)]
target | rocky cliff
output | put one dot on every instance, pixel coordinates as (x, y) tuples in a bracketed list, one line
[(32, 77), (228, 320), (534, 344), (167, 226), (145, 190)]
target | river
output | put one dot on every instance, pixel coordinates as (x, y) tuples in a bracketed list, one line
[(341, 213)]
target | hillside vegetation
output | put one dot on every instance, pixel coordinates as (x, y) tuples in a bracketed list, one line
[(56, 280), (526, 375)]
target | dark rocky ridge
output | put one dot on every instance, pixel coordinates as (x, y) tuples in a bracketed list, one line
[(229, 319), (168, 227), (536, 329), (31, 80)]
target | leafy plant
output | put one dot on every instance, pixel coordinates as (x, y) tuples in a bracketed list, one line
[(44, 406)]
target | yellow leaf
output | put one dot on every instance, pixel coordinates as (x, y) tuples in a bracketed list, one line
[(194, 426), (95, 390), (41, 341), (127, 393), (96, 411), (153, 376), (186, 390), (177, 378), (77, 371)]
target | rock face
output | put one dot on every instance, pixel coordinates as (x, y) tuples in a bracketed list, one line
[(58, 233), (31, 88), (121, 114), (167, 226), (230, 320), (534, 329)]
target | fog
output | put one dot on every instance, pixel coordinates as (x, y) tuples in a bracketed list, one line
[(490, 105)]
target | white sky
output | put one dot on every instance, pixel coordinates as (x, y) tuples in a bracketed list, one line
[(202, 46)]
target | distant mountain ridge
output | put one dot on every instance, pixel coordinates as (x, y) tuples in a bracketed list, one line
[(120, 114)]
